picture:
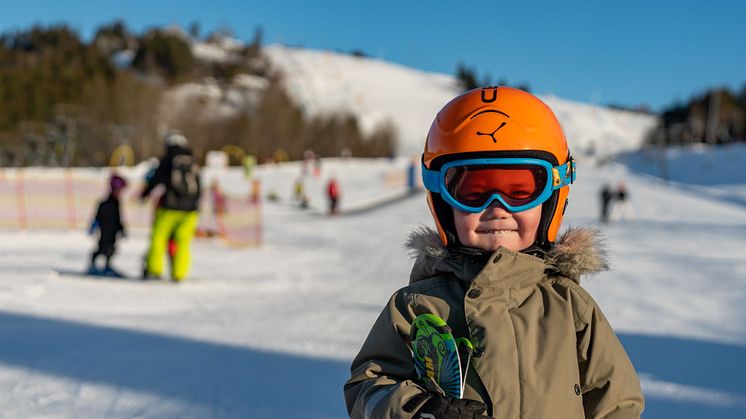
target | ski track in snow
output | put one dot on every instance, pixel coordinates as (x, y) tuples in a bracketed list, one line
[(270, 332)]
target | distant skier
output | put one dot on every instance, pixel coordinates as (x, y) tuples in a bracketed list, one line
[(108, 222), (606, 199), (299, 192), (219, 201), (177, 213), (332, 194), (622, 209)]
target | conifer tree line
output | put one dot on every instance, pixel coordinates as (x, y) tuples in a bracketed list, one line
[(469, 79), (64, 101), (717, 116)]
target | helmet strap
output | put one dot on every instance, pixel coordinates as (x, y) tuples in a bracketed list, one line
[(547, 213), (445, 218)]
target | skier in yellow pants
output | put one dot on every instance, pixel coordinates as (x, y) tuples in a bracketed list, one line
[(176, 216), (181, 226)]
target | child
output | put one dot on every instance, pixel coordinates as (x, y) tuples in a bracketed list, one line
[(497, 170), (109, 224)]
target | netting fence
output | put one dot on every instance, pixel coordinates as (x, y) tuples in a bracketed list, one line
[(35, 199)]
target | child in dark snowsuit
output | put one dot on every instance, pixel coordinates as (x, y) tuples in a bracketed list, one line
[(109, 223)]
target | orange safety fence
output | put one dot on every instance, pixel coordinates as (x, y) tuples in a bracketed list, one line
[(67, 199)]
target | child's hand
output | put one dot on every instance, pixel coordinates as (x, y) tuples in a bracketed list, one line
[(93, 227), (440, 407)]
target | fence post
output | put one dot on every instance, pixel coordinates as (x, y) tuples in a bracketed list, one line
[(70, 197), (20, 193), (258, 222)]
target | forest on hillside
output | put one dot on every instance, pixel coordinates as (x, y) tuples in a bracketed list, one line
[(64, 101), (717, 116)]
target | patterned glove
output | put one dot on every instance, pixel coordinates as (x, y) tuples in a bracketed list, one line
[(439, 407)]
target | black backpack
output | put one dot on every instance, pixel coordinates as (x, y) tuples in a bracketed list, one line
[(182, 191)]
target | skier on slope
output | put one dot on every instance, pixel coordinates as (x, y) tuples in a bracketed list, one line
[(177, 214), (606, 200), (108, 222), (332, 194), (498, 172)]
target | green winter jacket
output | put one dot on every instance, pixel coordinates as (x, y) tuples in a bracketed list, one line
[(543, 349)]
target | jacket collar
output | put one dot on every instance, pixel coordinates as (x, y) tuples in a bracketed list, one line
[(578, 251)]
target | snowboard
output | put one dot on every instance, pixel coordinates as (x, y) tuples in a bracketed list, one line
[(438, 355)]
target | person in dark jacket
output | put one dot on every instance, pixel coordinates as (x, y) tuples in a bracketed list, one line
[(177, 212), (606, 198), (108, 222)]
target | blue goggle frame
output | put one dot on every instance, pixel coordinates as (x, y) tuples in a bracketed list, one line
[(557, 177)]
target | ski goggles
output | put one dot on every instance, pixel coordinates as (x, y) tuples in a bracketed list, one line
[(518, 184)]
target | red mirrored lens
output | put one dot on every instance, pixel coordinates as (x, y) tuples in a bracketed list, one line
[(517, 184)]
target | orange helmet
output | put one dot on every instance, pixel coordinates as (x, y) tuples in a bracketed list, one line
[(497, 122)]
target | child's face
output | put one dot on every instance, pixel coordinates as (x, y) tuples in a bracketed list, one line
[(495, 227)]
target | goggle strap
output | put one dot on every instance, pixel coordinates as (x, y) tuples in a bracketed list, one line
[(563, 174), (431, 179)]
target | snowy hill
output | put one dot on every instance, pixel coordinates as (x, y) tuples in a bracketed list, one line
[(377, 91), (271, 332)]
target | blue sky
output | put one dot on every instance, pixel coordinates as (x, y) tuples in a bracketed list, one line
[(629, 52)]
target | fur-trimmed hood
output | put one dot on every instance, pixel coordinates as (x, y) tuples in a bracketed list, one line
[(578, 251)]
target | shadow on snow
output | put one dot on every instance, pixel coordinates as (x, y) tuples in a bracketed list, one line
[(229, 381), (682, 378), (686, 378)]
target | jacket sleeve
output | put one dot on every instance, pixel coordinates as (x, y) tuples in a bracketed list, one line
[(610, 386), (96, 222), (382, 372), (160, 176), (99, 211)]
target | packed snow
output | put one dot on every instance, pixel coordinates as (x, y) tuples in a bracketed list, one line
[(270, 332), (697, 168)]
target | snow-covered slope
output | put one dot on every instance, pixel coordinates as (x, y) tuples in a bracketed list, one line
[(377, 91), (213, 100), (600, 131), (710, 171), (271, 332)]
